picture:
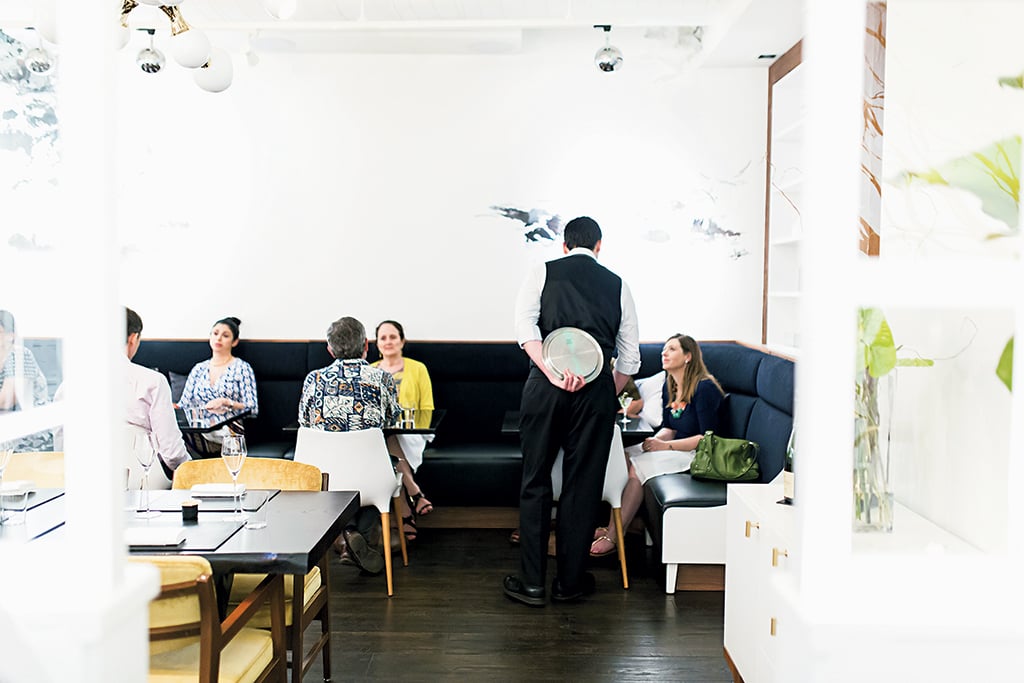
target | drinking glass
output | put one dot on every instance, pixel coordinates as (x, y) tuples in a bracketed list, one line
[(6, 451), (233, 452), (145, 453), (624, 401)]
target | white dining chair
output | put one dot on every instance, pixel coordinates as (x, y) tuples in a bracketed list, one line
[(358, 461), (615, 477)]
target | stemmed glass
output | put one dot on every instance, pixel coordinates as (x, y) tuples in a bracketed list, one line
[(6, 451), (145, 453), (233, 452), (624, 401)]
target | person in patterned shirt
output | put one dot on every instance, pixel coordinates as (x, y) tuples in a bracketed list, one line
[(22, 383), (348, 395)]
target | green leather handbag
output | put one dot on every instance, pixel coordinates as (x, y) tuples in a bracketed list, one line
[(724, 459)]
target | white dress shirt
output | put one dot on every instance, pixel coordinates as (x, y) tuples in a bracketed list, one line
[(149, 407), (627, 339)]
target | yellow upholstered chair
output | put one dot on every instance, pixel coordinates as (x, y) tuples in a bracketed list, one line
[(189, 643), (358, 461), (313, 593), (44, 468)]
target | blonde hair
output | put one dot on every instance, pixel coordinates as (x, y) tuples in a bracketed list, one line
[(693, 372)]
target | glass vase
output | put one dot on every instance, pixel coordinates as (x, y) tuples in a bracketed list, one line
[(872, 486)]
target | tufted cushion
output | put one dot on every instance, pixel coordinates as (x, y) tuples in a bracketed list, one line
[(734, 366), (775, 381)]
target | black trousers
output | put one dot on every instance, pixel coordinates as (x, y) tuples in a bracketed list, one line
[(581, 424)]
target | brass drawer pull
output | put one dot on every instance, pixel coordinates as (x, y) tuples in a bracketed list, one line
[(771, 629), (751, 525), (776, 552)]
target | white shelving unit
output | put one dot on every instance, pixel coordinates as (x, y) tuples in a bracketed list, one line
[(808, 599), (784, 223)]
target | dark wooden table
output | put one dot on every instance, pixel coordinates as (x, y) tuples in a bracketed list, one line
[(633, 432)]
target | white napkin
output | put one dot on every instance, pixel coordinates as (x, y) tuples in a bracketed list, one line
[(216, 490), (654, 463), (154, 536), (17, 486)]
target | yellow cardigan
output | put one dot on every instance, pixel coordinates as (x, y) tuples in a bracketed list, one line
[(415, 389)]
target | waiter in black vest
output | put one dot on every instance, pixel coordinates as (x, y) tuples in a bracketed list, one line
[(567, 413)]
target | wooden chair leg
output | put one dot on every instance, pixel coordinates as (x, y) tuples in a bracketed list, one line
[(621, 544), (401, 532), (385, 522), (325, 616), (296, 630)]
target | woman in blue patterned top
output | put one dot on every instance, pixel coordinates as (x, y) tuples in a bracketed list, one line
[(224, 383)]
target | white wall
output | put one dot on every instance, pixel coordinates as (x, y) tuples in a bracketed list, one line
[(943, 101), (327, 185)]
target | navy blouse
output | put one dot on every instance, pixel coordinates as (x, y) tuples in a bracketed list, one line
[(699, 415)]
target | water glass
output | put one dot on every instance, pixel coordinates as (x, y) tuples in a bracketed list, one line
[(258, 516), (14, 502)]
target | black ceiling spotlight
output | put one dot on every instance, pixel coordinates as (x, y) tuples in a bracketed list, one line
[(608, 58), (150, 59)]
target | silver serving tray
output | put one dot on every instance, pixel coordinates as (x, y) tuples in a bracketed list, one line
[(570, 348)]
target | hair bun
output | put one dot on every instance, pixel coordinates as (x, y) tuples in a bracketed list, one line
[(234, 320)]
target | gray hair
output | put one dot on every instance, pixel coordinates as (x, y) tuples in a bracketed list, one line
[(347, 338)]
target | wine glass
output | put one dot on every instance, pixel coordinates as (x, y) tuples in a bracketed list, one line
[(233, 453), (145, 453), (624, 401)]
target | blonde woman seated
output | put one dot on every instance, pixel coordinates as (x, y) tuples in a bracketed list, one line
[(414, 391), (691, 398)]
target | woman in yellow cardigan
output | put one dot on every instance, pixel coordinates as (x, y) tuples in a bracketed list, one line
[(414, 391)]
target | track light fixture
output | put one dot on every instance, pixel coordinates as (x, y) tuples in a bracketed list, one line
[(608, 58), (150, 59)]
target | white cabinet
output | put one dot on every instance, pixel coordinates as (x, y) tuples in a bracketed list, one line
[(759, 553)]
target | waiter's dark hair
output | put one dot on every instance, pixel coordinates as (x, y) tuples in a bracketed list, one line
[(133, 323), (582, 232), (232, 323)]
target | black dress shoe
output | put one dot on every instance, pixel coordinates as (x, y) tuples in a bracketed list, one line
[(561, 593), (528, 595)]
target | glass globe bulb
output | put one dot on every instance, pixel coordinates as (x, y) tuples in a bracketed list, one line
[(191, 48), (218, 72), (280, 9)]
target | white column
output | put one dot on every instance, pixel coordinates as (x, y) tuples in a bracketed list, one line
[(70, 610), (824, 377)]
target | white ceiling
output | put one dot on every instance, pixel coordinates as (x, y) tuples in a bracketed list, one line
[(731, 32)]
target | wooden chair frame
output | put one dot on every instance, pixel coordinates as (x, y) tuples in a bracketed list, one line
[(214, 635)]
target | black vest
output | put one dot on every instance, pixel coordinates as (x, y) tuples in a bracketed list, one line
[(580, 292)]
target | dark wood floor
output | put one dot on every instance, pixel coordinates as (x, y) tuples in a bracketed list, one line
[(448, 619)]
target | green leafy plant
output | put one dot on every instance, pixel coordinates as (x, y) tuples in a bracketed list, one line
[(1004, 369), (992, 174), (877, 356)]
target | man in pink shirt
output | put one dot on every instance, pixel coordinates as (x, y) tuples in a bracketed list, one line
[(150, 411)]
